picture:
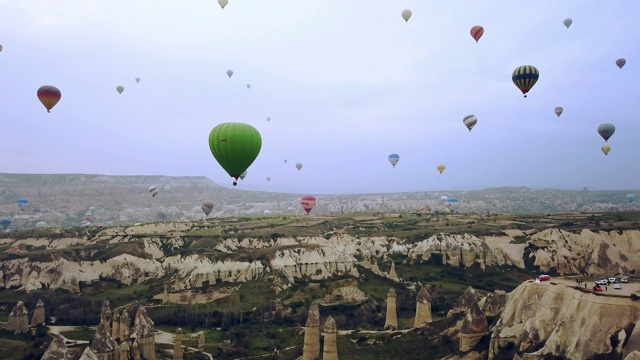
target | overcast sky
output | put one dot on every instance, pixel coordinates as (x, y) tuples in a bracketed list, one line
[(345, 84)]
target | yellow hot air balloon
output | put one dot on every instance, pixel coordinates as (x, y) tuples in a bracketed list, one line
[(606, 148), (406, 14), (440, 168)]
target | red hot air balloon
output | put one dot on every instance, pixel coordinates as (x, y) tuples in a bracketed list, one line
[(308, 202), (49, 96), (477, 32)]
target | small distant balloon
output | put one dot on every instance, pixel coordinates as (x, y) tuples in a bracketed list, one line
[(298, 166), (620, 62), (49, 96), (207, 207), (477, 32), (153, 190), (137, 80), (285, 161), (558, 110), (0, 48), (631, 198), (268, 178), (248, 86), (606, 148), (406, 14), (524, 77), (229, 73), (120, 89), (308, 202), (440, 168), (567, 22), (223, 3), (606, 130), (268, 118), (393, 159), (470, 121)]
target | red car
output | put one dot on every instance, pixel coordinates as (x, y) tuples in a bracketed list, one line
[(544, 277)]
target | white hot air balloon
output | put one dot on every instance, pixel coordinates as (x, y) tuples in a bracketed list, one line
[(406, 14), (153, 190), (223, 3), (298, 166)]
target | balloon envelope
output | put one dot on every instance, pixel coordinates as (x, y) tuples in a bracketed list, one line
[(229, 73), (5, 223), (606, 148), (470, 121), (406, 14), (243, 175), (248, 86), (567, 22), (235, 146), (298, 166), (631, 198), (268, 118), (524, 77), (620, 62), (440, 168), (268, 178), (49, 96), (308, 202), (120, 89), (606, 130), (393, 159), (137, 80), (223, 3), (153, 190), (558, 110), (477, 32), (207, 207)]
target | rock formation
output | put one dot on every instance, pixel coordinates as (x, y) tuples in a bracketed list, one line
[(392, 273), (474, 327), (143, 328), (123, 351), (115, 324), (38, 314), (87, 354), (105, 315), (201, 342), (18, 319), (103, 344), (311, 349), (493, 303), (330, 350), (57, 350), (391, 321), (177, 345), (423, 308), (135, 350), (125, 325)]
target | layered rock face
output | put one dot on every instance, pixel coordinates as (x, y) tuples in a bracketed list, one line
[(201, 342), (391, 320), (103, 345), (177, 345), (87, 354), (125, 325), (18, 319), (105, 315), (38, 314), (143, 328), (330, 350), (554, 319), (311, 349), (115, 324), (474, 327), (423, 308), (57, 350)]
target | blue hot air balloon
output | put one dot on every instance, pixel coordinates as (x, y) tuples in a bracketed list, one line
[(22, 203), (5, 223), (631, 198), (393, 159)]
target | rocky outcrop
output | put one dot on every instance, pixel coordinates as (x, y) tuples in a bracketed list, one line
[(103, 345), (38, 314), (18, 319), (392, 272), (125, 325), (474, 327), (543, 319), (311, 349), (457, 250), (493, 303), (57, 350), (330, 350), (177, 345), (201, 342), (105, 315), (143, 328), (391, 320), (115, 324), (87, 354), (345, 295), (423, 308), (124, 351)]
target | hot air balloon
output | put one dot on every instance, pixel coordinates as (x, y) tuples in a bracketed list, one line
[(88, 216), (620, 62), (470, 121), (120, 89), (85, 224), (248, 86), (606, 130), (452, 204), (235, 146), (524, 77), (285, 161), (207, 207), (268, 118), (5, 223), (0, 48), (440, 168), (606, 148), (137, 80), (243, 175), (477, 32), (567, 22), (229, 73), (393, 159), (223, 3), (153, 190), (444, 198), (308, 202), (49, 96), (558, 110), (268, 178), (41, 224), (22, 203), (631, 198), (406, 14), (298, 166)]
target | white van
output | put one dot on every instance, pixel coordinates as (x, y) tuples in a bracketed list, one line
[(612, 280), (624, 279)]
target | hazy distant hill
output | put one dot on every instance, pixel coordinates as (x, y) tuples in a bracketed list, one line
[(63, 199)]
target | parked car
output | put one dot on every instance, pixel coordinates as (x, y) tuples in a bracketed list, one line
[(597, 288), (544, 277), (602, 282), (612, 280), (617, 286), (624, 280)]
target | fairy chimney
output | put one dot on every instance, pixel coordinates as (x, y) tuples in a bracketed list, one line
[(105, 315), (423, 308), (391, 322), (143, 328), (18, 319), (123, 351), (38, 314), (135, 350), (474, 327), (201, 342), (87, 354), (103, 344), (125, 325), (311, 349), (392, 273), (330, 351), (177, 345), (57, 350), (374, 267), (115, 324)]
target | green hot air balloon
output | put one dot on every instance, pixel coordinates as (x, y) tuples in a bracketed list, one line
[(235, 146), (120, 89)]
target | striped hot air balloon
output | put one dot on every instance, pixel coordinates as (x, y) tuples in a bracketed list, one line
[(620, 62), (558, 110), (524, 77), (470, 121), (477, 32), (49, 96)]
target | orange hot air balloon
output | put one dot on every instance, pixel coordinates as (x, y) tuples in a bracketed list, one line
[(49, 96), (477, 32), (308, 202)]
